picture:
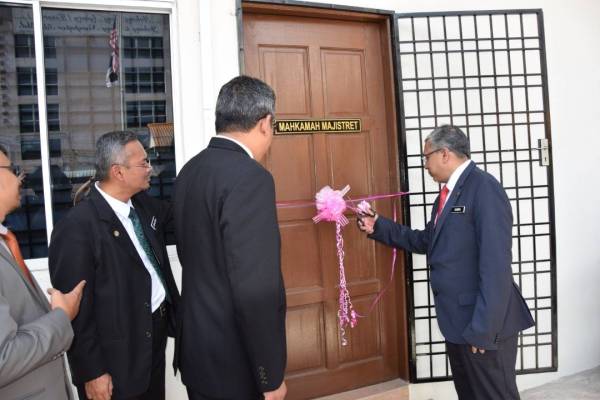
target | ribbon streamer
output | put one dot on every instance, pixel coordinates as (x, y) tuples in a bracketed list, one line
[(331, 206)]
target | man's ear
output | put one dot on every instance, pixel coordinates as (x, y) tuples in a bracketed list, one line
[(116, 172), (446, 154), (265, 124)]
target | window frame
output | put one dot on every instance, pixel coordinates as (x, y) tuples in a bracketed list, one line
[(166, 7)]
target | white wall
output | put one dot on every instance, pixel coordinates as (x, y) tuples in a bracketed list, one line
[(208, 59)]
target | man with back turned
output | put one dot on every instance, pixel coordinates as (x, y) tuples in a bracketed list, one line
[(231, 332)]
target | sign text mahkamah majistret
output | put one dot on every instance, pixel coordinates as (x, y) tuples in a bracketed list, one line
[(294, 126)]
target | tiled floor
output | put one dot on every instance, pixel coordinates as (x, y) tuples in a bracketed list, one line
[(585, 385), (582, 386)]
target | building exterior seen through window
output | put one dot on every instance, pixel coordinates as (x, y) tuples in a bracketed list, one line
[(104, 71)]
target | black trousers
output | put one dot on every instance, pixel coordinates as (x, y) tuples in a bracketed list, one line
[(192, 395), (156, 389), (487, 376)]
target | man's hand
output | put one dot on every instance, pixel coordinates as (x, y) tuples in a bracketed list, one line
[(69, 302), (100, 388), (277, 394), (475, 350), (366, 223)]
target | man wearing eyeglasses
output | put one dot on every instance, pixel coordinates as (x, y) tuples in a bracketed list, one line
[(34, 334), (115, 240), (468, 242)]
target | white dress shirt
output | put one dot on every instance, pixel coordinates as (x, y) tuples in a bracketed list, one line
[(242, 145), (454, 178), (122, 211)]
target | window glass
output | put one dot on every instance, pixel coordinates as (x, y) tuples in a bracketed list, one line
[(104, 71), (108, 71), (20, 126), (27, 81)]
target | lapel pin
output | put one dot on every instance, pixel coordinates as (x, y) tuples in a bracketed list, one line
[(116, 233), (153, 223)]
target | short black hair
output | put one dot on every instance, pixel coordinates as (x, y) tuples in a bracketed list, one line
[(3, 150), (242, 102)]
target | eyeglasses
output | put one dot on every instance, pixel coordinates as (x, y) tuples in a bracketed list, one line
[(425, 157), (15, 169), (146, 164)]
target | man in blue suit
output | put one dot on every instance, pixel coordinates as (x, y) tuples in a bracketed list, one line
[(468, 244)]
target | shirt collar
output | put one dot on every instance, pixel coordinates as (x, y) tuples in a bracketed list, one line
[(242, 145), (3, 230), (456, 174), (120, 208)]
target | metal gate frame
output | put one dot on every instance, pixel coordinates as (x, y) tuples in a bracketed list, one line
[(426, 198)]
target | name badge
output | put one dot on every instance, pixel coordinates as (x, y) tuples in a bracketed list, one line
[(458, 210)]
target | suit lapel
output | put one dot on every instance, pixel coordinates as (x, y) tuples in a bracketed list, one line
[(450, 202), (34, 289), (114, 225)]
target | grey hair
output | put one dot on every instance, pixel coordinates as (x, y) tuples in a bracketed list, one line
[(109, 151), (242, 102), (452, 138)]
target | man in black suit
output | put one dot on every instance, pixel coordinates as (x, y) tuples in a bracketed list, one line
[(231, 332), (114, 239), (468, 244)]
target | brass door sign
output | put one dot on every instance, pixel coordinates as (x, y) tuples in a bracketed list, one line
[(307, 126)]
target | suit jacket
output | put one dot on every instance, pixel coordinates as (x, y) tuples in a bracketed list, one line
[(231, 335), (469, 258), (113, 330), (33, 339)]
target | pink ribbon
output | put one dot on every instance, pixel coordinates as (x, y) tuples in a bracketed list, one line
[(330, 206), (301, 203)]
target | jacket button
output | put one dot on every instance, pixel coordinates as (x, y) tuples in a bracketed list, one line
[(148, 334), (146, 304)]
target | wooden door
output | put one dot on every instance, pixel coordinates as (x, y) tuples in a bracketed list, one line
[(322, 67)]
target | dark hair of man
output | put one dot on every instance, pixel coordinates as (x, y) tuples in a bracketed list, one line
[(242, 102), (3, 150), (452, 138), (109, 151)]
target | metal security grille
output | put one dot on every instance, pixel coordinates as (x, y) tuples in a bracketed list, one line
[(486, 73)]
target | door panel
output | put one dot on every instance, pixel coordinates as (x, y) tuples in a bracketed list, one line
[(326, 68), (287, 69)]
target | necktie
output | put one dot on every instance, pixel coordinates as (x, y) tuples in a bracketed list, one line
[(139, 233), (443, 195), (13, 245)]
